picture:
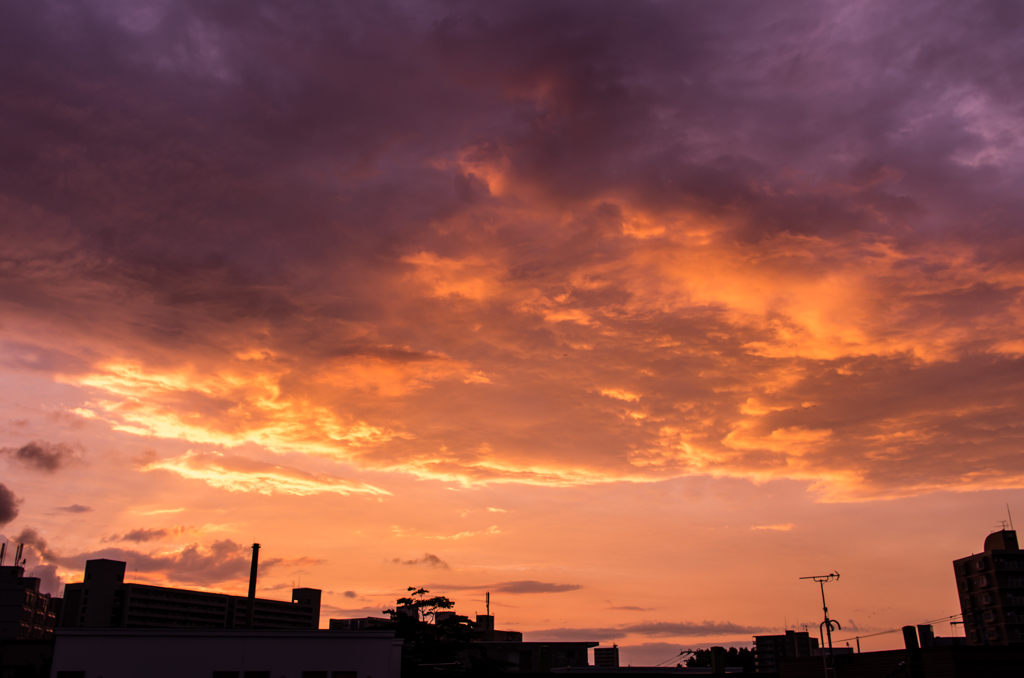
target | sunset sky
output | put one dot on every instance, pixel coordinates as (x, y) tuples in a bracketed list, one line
[(630, 313)]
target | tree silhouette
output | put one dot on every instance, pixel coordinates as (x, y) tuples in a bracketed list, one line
[(424, 608)]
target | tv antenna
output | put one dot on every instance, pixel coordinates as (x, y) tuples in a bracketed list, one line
[(826, 625), (1008, 514)]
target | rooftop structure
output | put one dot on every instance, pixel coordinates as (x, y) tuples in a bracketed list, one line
[(991, 588), (104, 600), (25, 612), (606, 657)]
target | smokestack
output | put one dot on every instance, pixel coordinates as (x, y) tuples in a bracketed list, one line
[(252, 584), (17, 555), (910, 638)]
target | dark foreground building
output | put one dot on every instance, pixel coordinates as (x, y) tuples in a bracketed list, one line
[(105, 601), (950, 661), (991, 588), (25, 612), (770, 650), (499, 651), (173, 653)]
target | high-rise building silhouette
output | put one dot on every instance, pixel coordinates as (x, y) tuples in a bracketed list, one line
[(104, 600), (991, 588)]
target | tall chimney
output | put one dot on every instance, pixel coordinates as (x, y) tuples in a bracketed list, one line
[(252, 585)]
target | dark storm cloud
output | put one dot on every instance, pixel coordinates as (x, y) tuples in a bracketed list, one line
[(8, 505), (682, 104), (626, 240), (427, 559), (41, 455), (49, 581), (221, 561), (530, 586), (75, 508), (140, 535)]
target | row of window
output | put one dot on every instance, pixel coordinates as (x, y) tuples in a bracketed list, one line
[(979, 583), (977, 565), (993, 634), (987, 599)]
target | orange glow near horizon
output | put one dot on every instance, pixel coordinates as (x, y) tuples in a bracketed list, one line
[(629, 318)]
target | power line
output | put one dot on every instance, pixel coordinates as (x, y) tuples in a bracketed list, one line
[(882, 633)]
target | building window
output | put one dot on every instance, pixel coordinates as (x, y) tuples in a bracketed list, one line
[(981, 582), (993, 634), (986, 599), (989, 616)]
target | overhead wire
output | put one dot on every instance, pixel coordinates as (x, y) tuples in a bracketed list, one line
[(882, 633)]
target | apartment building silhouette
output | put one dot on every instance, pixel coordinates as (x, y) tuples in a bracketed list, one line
[(991, 589), (104, 601)]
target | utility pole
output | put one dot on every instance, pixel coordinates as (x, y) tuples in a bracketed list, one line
[(827, 625)]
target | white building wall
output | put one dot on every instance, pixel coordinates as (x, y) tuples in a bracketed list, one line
[(160, 653)]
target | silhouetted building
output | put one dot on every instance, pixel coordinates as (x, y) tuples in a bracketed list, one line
[(932, 659), (105, 601), (485, 631), (991, 588), (170, 653), (25, 612), (769, 650), (606, 657), (359, 624), (927, 637), (538, 657)]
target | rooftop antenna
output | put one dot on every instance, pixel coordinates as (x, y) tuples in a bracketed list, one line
[(826, 625), (3, 553), (488, 603), (1008, 514)]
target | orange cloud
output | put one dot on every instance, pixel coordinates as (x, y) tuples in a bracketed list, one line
[(239, 474)]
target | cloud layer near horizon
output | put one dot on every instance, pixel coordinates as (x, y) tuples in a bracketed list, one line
[(546, 243)]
